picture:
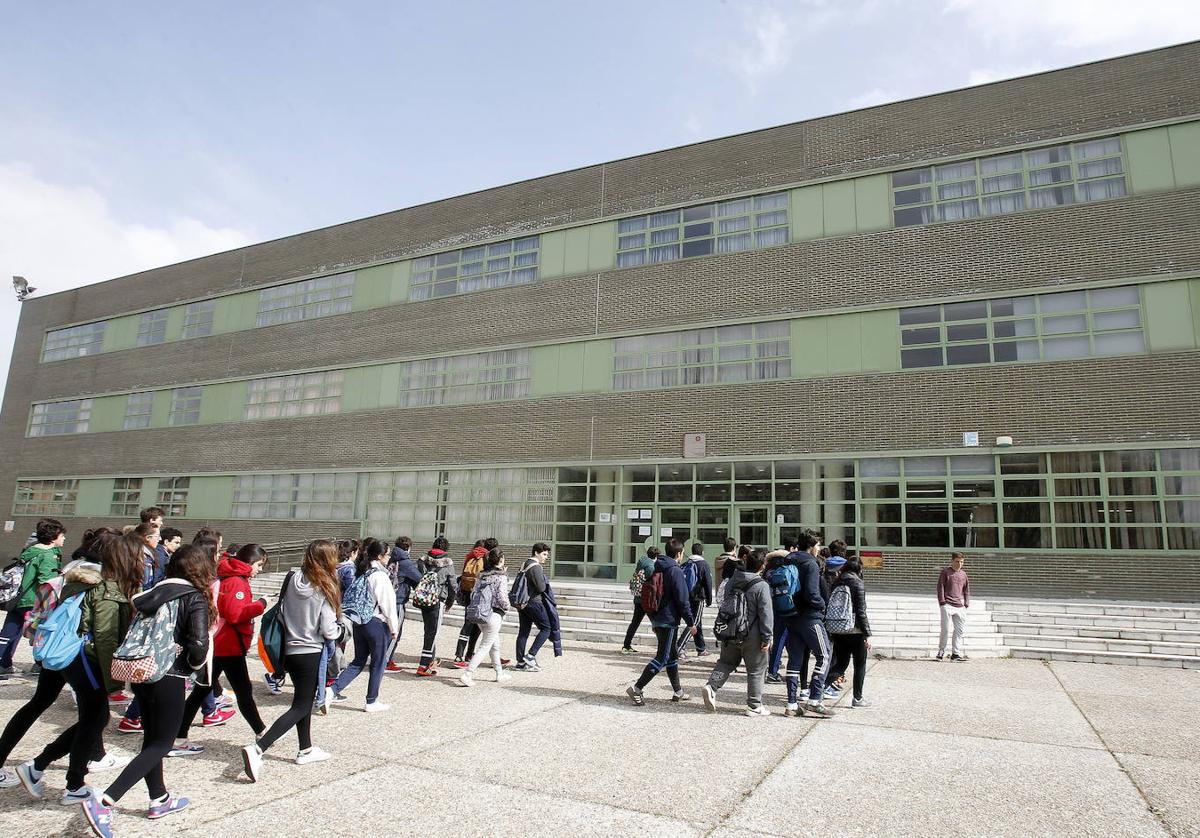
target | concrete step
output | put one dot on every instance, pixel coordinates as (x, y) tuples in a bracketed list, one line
[(1100, 644), (1121, 658), (1098, 621), (1110, 609), (1113, 632)]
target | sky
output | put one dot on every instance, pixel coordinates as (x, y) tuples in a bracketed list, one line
[(139, 134)]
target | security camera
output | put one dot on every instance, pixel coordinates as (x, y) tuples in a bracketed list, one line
[(22, 287)]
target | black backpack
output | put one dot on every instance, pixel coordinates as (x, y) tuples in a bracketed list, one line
[(734, 619)]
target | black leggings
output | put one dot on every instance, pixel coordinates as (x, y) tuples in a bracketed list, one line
[(667, 657), (80, 739), (234, 668), (302, 669), (845, 647), (432, 617), (467, 638), (638, 614), (162, 708)]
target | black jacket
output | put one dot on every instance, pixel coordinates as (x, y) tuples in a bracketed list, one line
[(704, 574), (191, 627), (858, 599), (812, 595)]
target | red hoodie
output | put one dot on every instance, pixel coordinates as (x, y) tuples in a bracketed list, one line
[(238, 607)]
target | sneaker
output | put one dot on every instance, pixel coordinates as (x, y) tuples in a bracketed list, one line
[(860, 702), (219, 717), (225, 702), (99, 816), (703, 653), (74, 798), (119, 697), (530, 665), (108, 762), (376, 707), (774, 678), (185, 750), (760, 710), (425, 672), (636, 696), (793, 711), (710, 698), (313, 754), (832, 694), (335, 698), (681, 696), (503, 676), (628, 650), (272, 684), (128, 725), (392, 667), (459, 663), (819, 710), (166, 807), (326, 700), (959, 658), (7, 670), (466, 680), (939, 656), (9, 779), (252, 761), (31, 779)]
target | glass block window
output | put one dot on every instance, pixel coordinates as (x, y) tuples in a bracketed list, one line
[(74, 342), (1044, 327), (513, 262), (185, 406), (173, 495), (198, 319), (724, 227), (126, 496), (152, 327), (715, 355), (304, 300), (311, 497), (55, 418), (138, 410), (461, 379), (310, 394), (1093, 170), (45, 497)]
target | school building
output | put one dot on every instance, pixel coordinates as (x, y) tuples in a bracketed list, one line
[(969, 320)]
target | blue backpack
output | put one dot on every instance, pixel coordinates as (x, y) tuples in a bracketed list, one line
[(784, 581), (57, 641), (358, 603)]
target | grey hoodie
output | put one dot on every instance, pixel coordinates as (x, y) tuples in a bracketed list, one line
[(308, 618), (758, 603)]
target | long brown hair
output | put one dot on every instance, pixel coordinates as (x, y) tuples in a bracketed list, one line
[(144, 531), (121, 561), (320, 569), (193, 564)]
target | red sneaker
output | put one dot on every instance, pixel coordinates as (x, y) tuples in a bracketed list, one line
[(505, 661), (425, 672), (120, 697), (392, 667), (128, 725), (460, 664), (219, 717)]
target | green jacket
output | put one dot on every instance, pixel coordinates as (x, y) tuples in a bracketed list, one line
[(105, 616), (41, 565)]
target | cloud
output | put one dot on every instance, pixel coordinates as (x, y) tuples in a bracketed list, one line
[(987, 75), (1108, 24), (869, 98), (62, 237), (768, 48)]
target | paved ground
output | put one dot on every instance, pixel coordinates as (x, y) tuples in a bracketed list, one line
[(993, 747)]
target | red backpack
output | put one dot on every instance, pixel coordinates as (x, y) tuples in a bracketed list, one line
[(652, 593)]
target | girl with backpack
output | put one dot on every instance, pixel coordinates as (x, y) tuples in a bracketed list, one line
[(489, 602), (853, 642), (38, 563), (405, 576), (370, 604), (472, 568), (642, 572), (185, 592), (103, 616), (311, 605), (434, 595)]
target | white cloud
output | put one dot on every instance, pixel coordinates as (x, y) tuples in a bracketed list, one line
[(1109, 24), (768, 49), (62, 237)]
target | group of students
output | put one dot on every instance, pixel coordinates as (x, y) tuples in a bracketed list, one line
[(127, 593), (804, 599)]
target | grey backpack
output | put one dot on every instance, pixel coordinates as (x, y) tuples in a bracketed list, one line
[(839, 614)]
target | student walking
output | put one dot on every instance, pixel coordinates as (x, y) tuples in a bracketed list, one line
[(666, 585), (796, 596), (534, 612), (849, 628), (404, 575), (642, 572), (699, 580), (954, 598), (434, 594), (489, 601), (310, 603), (747, 620), (370, 605), (472, 568), (40, 562), (186, 596)]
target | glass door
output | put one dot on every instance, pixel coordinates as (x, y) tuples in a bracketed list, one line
[(754, 526)]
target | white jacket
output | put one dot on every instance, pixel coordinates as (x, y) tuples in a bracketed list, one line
[(385, 598)]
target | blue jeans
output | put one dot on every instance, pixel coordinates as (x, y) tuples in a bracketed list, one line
[(10, 635), (371, 639), (327, 653), (807, 636), (529, 616)]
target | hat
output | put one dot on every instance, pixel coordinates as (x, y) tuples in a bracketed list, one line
[(835, 561)]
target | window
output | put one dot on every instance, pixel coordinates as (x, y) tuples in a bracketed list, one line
[(74, 342), (722, 354), (185, 406), (313, 497), (126, 496), (55, 418), (198, 319), (1067, 324), (483, 377), (724, 227), (138, 410), (310, 394), (45, 497), (173, 495), (152, 327), (513, 262), (1093, 170), (306, 299)]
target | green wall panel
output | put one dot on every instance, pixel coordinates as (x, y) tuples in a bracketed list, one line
[(210, 497), (1149, 155), (94, 498), (121, 333), (597, 365), (571, 360), (879, 333), (108, 414), (872, 203), (543, 370), (373, 287), (808, 213), (602, 246), (810, 350), (1195, 295), (1169, 324), (552, 253), (1185, 153), (161, 410), (175, 318), (840, 218), (576, 250), (223, 402), (149, 491), (845, 345), (235, 312), (361, 388), (389, 385)]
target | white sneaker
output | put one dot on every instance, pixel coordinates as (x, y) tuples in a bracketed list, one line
[(710, 698), (252, 761), (760, 710), (503, 676), (313, 754), (8, 779), (74, 798), (466, 679), (109, 762), (376, 707)]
